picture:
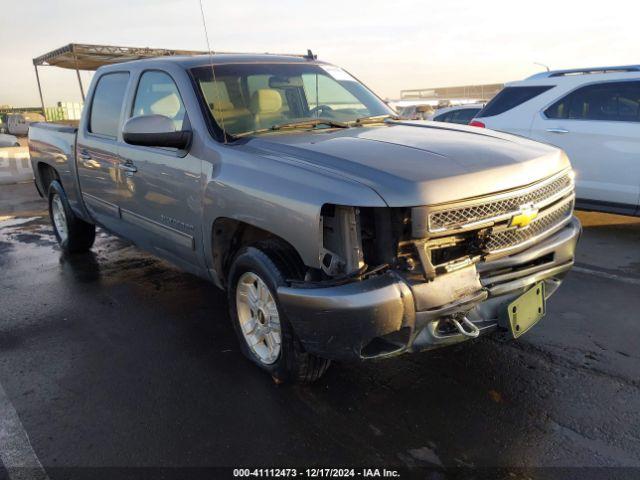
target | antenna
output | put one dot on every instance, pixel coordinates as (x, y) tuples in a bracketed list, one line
[(213, 74), (542, 65)]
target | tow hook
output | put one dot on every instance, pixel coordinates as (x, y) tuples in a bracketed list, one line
[(470, 331)]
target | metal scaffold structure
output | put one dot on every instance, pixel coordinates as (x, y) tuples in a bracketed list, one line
[(77, 56)]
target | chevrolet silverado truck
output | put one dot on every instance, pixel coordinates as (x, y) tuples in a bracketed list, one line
[(339, 231)]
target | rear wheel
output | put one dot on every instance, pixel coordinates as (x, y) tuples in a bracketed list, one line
[(265, 334), (74, 235)]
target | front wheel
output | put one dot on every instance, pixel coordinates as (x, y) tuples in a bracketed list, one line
[(266, 336), (74, 235)]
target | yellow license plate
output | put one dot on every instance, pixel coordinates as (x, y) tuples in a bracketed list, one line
[(527, 310)]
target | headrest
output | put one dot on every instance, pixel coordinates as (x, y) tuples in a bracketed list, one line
[(215, 92), (222, 105), (168, 105), (266, 100)]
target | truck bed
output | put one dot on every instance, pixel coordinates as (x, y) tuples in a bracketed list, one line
[(53, 144), (66, 127)]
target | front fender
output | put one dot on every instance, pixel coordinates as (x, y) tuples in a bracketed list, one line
[(278, 195)]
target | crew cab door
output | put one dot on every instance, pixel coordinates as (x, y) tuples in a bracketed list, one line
[(163, 203), (97, 160), (598, 126)]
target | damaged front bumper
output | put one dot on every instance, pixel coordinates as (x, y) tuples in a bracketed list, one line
[(387, 315)]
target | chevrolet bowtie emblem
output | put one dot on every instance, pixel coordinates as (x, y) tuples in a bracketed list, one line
[(525, 217)]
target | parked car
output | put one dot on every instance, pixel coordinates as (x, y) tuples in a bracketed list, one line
[(461, 114), (337, 232), (8, 141), (416, 112), (18, 123), (594, 115)]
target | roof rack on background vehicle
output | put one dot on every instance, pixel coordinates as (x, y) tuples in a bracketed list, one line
[(585, 71)]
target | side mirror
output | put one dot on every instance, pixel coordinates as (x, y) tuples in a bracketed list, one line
[(155, 131)]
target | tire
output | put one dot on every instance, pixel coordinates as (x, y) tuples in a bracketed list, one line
[(74, 235), (269, 263)]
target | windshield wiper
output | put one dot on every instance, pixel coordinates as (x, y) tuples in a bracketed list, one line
[(310, 122), (307, 123), (375, 119)]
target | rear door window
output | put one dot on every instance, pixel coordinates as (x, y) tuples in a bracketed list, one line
[(511, 97), (612, 102), (107, 103)]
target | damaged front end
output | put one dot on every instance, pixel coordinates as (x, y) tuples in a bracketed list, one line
[(395, 280)]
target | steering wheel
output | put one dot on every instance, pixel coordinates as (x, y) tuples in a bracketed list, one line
[(321, 110)]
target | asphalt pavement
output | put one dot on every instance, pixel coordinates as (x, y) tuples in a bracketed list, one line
[(117, 359)]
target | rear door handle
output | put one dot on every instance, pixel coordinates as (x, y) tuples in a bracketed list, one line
[(87, 161), (557, 130), (128, 168)]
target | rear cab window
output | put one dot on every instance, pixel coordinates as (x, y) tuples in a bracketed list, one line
[(511, 97), (106, 105)]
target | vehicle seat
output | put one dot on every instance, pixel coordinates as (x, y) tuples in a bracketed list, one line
[(235, 119), (266, 106)]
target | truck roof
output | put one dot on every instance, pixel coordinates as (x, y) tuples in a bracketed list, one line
[(191, 61)]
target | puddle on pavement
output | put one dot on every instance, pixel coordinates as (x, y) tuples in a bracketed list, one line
[(29, 231), (10, 221), (111, 259)]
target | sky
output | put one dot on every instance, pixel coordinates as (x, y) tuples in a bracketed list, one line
[(388, 44)]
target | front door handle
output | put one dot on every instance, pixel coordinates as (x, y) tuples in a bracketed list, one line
[(84, 155), (557, 130)]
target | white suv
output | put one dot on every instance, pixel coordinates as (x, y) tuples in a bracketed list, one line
[(594, 115)]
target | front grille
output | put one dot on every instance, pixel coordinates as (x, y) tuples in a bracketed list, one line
[(548, 219), (456, 218)]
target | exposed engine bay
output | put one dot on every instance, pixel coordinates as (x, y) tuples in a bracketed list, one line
[(460, 265), (422, 243)]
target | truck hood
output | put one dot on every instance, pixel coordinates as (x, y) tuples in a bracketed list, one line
[(420, 163)]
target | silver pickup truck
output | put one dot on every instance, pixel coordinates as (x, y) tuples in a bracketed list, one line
[(338, 231)]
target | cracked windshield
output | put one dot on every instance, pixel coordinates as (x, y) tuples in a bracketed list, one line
[(254, 98)]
